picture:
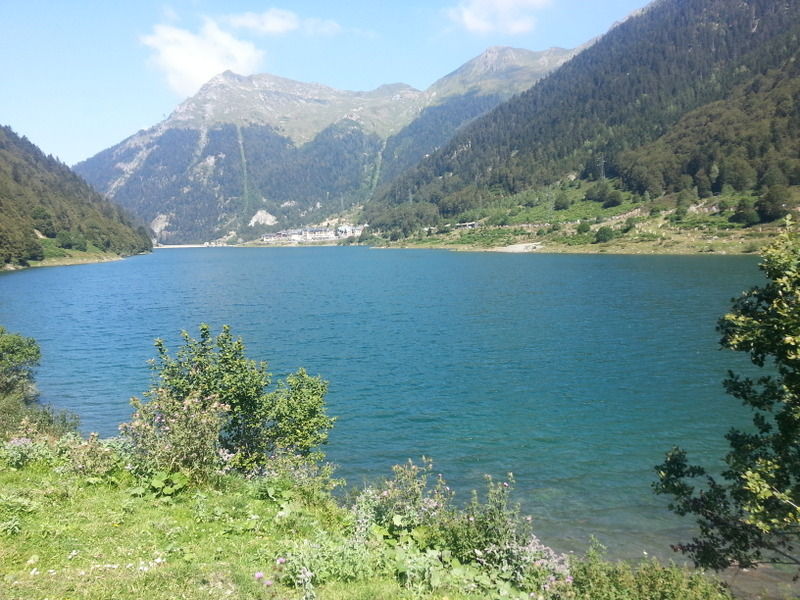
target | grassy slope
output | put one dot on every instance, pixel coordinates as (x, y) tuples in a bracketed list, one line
[(55, 256), (77, 540), (68, 536), (531, 219)]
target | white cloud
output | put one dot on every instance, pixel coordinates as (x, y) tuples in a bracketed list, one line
[(496, 16), (321, 27), (277, 21), (190, 59)]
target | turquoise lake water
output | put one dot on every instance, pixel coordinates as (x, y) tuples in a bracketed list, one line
[(576, 373)]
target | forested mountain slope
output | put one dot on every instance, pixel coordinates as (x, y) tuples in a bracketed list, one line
[(627, 90), (750, 139), (40, 198)]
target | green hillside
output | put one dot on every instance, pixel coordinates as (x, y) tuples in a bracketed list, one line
[(47, 210), (596, 116)]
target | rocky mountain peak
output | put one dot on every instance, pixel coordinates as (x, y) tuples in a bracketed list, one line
[(500, 70)]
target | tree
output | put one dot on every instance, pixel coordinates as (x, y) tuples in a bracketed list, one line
[(19, 408), (745, 214), (774, 204), (562, 201), (215, 373), (18, 357), (750, 514), (603, 234), (614, 198)]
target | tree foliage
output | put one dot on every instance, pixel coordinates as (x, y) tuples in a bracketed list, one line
[(41, 197), (19, 356), (212, 378), (751, 513)]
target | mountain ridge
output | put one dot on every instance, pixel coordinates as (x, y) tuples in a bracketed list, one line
[(226, 153)]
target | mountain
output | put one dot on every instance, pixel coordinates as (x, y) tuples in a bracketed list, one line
[(40, 199), (500, 70), (247, 154), (459, 97), (589, 117)]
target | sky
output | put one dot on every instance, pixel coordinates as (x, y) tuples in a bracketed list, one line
[(80, 76)]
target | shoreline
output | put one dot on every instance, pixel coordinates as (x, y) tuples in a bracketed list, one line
[(63, 261), (539, 248)]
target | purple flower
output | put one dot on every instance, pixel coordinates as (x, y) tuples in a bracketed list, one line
[(259, 575), (20, 441), (280, 560)]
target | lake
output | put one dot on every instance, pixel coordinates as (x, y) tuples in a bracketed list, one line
[(575, 372)]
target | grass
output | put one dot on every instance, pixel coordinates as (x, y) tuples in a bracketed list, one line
[(74, 539), (70, 536), (54, 255)]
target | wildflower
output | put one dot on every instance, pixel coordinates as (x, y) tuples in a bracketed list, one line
[(280, 560), (259, 575), (268, 582)]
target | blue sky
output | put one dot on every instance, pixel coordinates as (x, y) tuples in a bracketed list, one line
[(81, 75)]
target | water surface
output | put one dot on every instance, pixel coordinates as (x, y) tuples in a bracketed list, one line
[(576, 373)]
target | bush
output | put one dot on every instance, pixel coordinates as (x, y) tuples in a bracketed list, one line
[(598, 579), (562, 202), (19, 409), (92, 456), (614, 198), (170, 434), (604, 234), (209, 406), (21, 451), (405, 502)]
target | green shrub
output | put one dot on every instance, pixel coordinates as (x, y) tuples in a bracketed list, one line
[(209, 409), (598, 579), (20, 413), (92, 456), (604, 234), (172, 433), (21, 451), (404, 503)]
